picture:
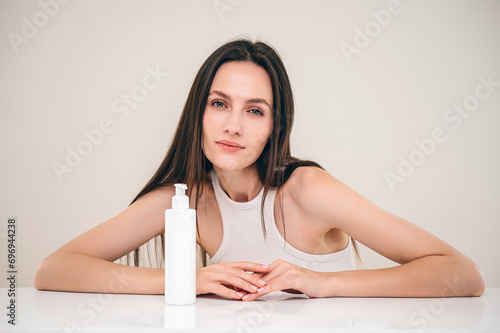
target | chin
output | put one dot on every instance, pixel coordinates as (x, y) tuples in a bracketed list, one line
[(230, 164)]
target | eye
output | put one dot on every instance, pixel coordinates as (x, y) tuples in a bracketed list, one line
[(218, 104), (256, 112)]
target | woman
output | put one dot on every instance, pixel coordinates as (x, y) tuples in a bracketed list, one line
[(267, 220)]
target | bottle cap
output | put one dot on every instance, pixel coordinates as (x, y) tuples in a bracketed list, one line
[(180, 199)]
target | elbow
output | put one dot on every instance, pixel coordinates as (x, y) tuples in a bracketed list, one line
[(38, 278), (41, 280), (470, 281), (478, 281)]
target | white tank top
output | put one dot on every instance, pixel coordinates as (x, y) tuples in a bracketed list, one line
[(243, 238)]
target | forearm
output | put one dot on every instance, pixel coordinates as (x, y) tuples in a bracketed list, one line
[(430, 276), (82, 273)]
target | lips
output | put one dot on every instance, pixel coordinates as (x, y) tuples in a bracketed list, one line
[(229, 143), (229, 146)]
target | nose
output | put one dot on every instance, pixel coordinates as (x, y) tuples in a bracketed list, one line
[(233, 124)]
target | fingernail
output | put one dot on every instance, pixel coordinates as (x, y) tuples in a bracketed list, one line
[(261, 282), (240, 295), (247, 296), (264, 266), (253, 287), (261, 289)]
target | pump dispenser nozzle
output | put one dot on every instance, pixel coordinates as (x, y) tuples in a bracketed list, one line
[(180, 199)]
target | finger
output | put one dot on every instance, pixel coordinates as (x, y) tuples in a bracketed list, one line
[(250, 297), (270, 287), (277, 279), (260, 292), (275, 285), (276, 269), (240, 280), (227, 292), (247, 266), (252, 279), (260, 280), (244, 292)]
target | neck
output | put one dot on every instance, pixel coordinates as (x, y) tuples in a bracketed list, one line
[(241, 185)]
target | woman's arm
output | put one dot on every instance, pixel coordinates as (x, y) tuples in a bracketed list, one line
[(429, 267), (85, 264)]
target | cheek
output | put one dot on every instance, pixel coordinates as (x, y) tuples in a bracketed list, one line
[(263, 135), (210, 122), (205, 135), (206, 125)]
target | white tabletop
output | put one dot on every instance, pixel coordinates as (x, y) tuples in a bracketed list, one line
[(277, 312)]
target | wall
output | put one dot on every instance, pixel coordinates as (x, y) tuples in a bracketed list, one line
[(374, 82)]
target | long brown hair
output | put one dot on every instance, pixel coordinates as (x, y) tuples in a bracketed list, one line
[(185, 161)]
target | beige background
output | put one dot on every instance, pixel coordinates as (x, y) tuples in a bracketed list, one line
[(355, 117)]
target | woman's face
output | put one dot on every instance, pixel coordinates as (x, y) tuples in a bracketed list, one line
[(238, 117)]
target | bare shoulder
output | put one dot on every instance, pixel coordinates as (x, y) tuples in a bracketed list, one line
[(308, 173), (160, 197), (149, 209), (318, 194), (306, 184)]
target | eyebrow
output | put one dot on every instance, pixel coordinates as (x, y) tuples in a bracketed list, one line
[(249, 101)]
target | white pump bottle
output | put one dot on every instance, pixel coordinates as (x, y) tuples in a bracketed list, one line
[(180, 250)]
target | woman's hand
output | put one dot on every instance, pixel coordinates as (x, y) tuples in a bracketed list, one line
[(230, 279), (290, 278)]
